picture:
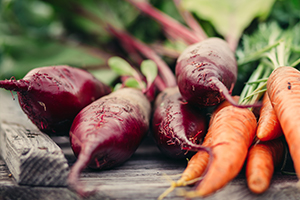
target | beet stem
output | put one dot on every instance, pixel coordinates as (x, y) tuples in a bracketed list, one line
[(223, 90), (168, 22), (164, 69), (190, 20), (14, 85)]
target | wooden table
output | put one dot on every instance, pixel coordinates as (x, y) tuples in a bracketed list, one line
[(145, 176)]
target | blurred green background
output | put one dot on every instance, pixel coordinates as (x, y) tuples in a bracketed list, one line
[(35, 33)]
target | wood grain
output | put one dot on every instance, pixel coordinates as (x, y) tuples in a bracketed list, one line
[(32, 157)]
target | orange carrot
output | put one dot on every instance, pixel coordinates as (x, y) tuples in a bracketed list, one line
[(262, 158), (231, 132), (222, 105), (198, 163), (195, 168), (268, 127), (283, 87)]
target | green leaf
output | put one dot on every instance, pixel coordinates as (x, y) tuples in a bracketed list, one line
[(121, 66), (132, 83), (117, 86), (149, 70), (22, 53), (273, 42), (118, 13), (286, 12), (106, 76), (229, 17)]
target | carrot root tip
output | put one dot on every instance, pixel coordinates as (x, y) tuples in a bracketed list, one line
[(167, 191), (189, 194), (257, 185), (298, 184)]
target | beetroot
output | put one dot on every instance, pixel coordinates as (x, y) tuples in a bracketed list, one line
[(177, 126), (206, 71), (107, 132), (52, 96)]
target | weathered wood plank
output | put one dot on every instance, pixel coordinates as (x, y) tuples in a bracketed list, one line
[(146, 175), (143, 178), (42, 193), (32, 157)]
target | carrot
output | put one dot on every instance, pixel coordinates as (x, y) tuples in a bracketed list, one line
[(195, 168), (221, 106), (262, 158), (268, 127), (197, 165), (231, 133), (199, 161), (283, 87)]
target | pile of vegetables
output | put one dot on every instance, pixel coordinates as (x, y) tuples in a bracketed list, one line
[(217, 91)]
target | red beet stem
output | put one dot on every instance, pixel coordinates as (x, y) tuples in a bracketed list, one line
[(131, 43), (190, 20), (195, 147), (167, 22), (15, 85), (165, 71), (223, 90)]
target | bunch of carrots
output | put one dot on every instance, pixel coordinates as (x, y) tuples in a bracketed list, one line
[(258, 143)]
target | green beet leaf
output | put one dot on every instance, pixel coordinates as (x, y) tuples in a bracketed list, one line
[(149, 70), (229, 17), (121, 66)]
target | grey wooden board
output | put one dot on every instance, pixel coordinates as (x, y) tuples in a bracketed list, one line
[(143, 176), (32, 156)]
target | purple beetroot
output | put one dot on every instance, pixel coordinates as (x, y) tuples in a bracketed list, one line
[(52, 96), (206, 72), (108, 131), (177, 126)]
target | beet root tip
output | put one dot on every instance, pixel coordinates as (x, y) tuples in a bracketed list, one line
[(74, 183)]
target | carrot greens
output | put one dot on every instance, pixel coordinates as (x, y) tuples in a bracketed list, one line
[(269, 47)]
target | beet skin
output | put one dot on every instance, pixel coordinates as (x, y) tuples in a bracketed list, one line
[(52, 96), (107, 132), (206, 71), (176, 125)]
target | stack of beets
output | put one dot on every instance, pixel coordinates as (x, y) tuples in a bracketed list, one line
[(106, 128), (205, 72)]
